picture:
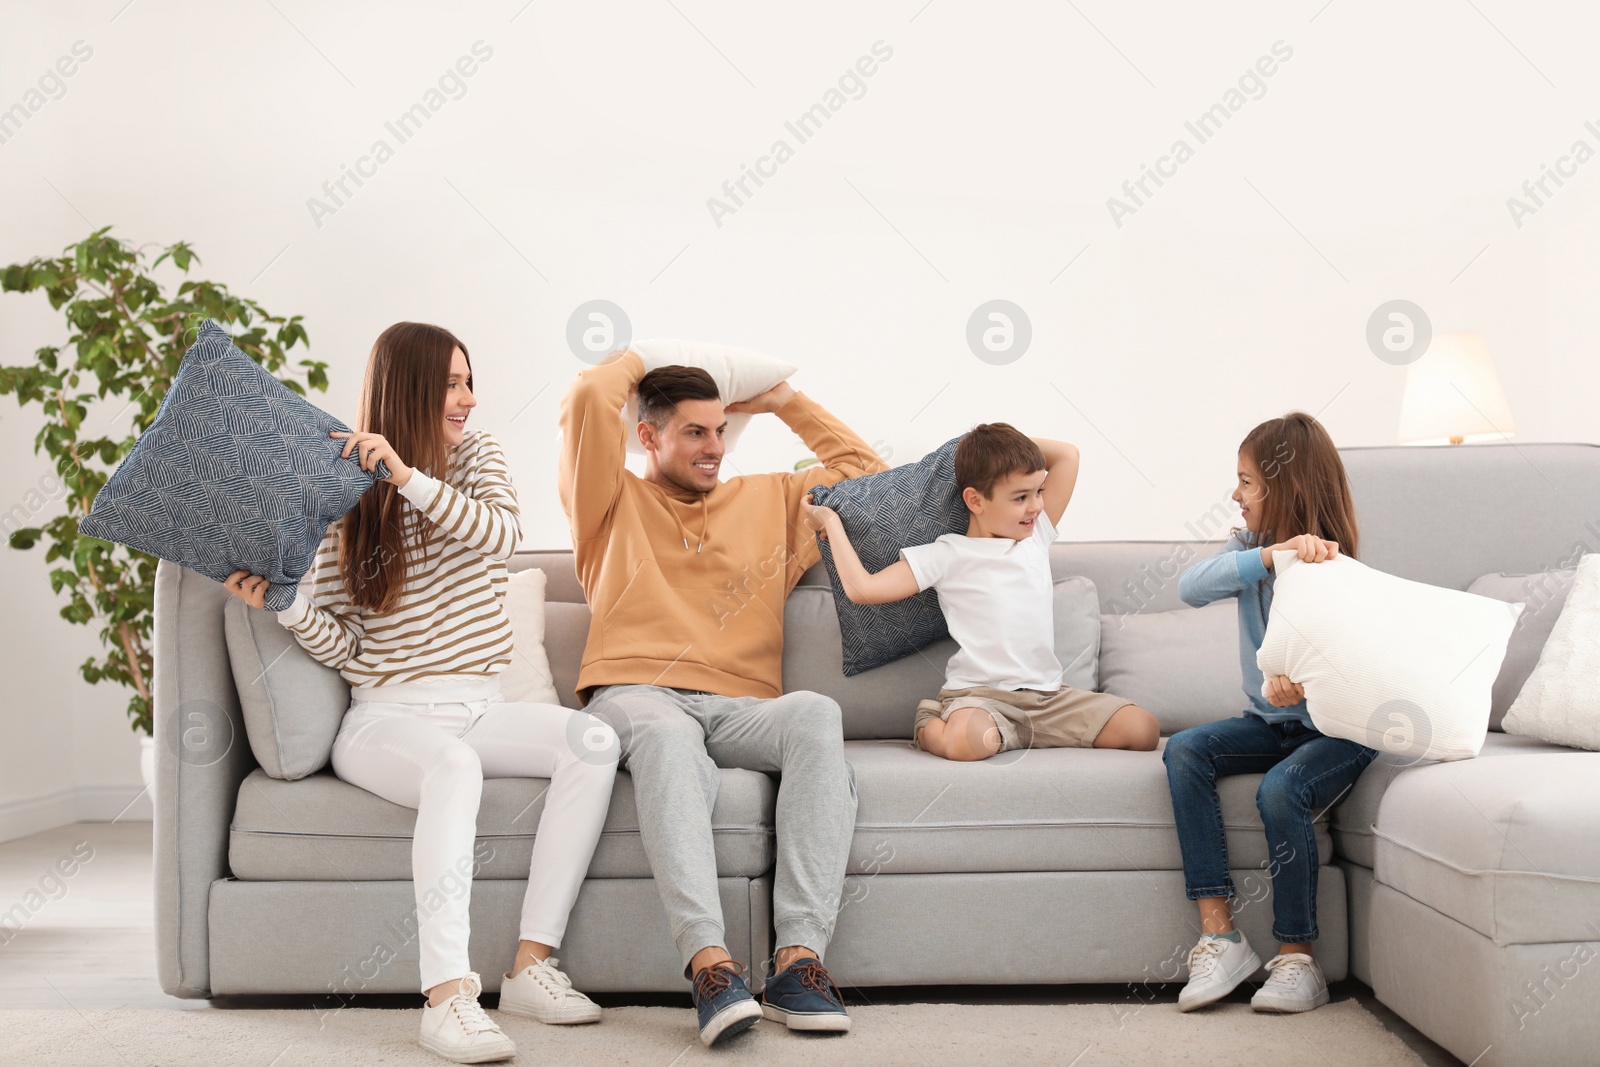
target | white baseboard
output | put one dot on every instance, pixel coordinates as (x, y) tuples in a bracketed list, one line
[(85, 803), (114, 803)]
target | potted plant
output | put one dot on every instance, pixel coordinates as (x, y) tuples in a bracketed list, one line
[(126, 337)]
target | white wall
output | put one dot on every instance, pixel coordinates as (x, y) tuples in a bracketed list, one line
[(976, 165)]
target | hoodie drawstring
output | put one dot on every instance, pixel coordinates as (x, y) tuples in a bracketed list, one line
[(705, 520)]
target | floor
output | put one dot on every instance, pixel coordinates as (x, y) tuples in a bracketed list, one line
[(86, 943)]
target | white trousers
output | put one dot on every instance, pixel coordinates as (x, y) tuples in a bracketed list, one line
[(429, 745)]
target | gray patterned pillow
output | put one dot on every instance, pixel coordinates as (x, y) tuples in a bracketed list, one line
[(882, 513), (237, 472)]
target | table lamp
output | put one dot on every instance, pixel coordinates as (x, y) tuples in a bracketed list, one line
[(1453, 395)]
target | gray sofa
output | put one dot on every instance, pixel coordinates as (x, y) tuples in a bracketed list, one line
[(1467, 895)]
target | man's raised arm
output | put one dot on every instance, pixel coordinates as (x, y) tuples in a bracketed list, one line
[(843, 454), (593, 443)]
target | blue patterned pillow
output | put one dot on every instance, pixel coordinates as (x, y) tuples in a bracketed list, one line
[(237, 472), (882, 513)]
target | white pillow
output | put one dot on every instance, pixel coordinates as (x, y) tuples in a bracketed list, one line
[(1560, 702), (1399, 666), (740, 374), (528, 678)]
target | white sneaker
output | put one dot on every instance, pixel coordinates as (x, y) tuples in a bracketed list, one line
[(458, 1030), (544, 993), (1216, 967), (1295, 983)]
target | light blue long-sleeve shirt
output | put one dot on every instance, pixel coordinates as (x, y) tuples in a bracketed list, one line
[(1238, 571)]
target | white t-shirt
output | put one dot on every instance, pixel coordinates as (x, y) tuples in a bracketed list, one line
[(996, 595)]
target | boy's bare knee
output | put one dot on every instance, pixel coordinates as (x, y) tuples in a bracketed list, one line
[(971, 734), (1147, 732), (1132, 728)]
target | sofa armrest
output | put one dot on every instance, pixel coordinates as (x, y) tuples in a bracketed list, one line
[(201, 756)]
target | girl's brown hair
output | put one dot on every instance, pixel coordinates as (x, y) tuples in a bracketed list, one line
[(402, 398), (1303, 484)]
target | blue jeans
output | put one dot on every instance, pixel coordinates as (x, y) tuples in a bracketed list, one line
[(1306, 773)]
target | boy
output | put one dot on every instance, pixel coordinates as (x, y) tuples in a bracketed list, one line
[(1003, 687)]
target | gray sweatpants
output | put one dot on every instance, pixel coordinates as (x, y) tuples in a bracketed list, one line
[(673, 741)]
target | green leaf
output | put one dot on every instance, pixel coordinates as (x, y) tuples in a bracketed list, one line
[(25, 538)]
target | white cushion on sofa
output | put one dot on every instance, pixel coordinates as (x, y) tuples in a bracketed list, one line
[(740, 374), (528, 677), (1561, 701), (1396, 665)]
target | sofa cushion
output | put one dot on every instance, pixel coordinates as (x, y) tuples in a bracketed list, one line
[(292, 705), (1544, 594), (882, 702), (1181, 665), (1508, 846), (913, 504), (527, 677), (566, 630), (236, 472), (1054, 809), (1396, 665), (1355, 816), (323, 828), (1561, 700)]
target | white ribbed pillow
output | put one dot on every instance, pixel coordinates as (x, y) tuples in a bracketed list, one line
[(1399, 666), (740, 374), (1560, 702)]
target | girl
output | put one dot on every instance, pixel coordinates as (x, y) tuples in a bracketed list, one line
[(407, 601), (1294, 496)]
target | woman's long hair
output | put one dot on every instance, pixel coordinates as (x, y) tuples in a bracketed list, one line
[(402, 398), (1304, 489)]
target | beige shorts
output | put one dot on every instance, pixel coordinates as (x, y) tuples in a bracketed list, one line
[(1029, 718)]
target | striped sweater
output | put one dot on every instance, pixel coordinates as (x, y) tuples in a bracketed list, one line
[(450, 618)]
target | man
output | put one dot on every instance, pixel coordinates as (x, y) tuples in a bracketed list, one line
[(686, 576)]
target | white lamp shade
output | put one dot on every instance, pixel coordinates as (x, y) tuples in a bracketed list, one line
[(1453, 394)]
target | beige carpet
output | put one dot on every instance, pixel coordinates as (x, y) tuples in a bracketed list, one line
[(1343, 1034)]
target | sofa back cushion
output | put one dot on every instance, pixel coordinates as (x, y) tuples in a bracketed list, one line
[(566, 630), (1544, 594), (1180, 665)]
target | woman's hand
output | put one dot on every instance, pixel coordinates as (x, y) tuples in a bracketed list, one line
[(817, 517), (1310, 549), (1282, 693), (370, 448), (250, 588)]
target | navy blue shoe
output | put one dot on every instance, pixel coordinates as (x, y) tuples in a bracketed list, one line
[(803, 997), (723, 1002)]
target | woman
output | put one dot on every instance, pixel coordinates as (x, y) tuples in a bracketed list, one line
[(407, 602)]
